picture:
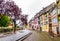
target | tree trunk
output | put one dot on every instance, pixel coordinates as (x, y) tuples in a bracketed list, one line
[(14, 29)]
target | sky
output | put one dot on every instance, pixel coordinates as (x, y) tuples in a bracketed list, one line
[(31, 7)]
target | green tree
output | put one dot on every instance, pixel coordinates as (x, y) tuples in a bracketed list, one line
[(4, 21)]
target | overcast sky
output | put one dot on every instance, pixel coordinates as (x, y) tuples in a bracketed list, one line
[(31, 7)]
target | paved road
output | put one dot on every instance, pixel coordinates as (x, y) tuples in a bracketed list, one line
[(41, 36), (14, 37)]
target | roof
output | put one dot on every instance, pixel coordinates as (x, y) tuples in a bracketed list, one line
[(46, 9)]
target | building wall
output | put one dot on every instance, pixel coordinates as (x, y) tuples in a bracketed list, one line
[(54, 19), (58, 4), (31, 25), (41, 22), (36, 24), (44, 22)]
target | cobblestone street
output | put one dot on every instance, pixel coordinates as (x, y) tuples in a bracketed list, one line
[(41, 36)]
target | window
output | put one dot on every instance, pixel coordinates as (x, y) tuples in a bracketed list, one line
[(54, 11), (55, 20)]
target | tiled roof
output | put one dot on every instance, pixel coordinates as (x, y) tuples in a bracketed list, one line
[(47, 8)]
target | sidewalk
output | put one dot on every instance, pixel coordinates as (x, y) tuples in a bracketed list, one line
[(14, 37)]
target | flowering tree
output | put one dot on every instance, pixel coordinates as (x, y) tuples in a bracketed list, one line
[(24, 20), (11, 9)]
